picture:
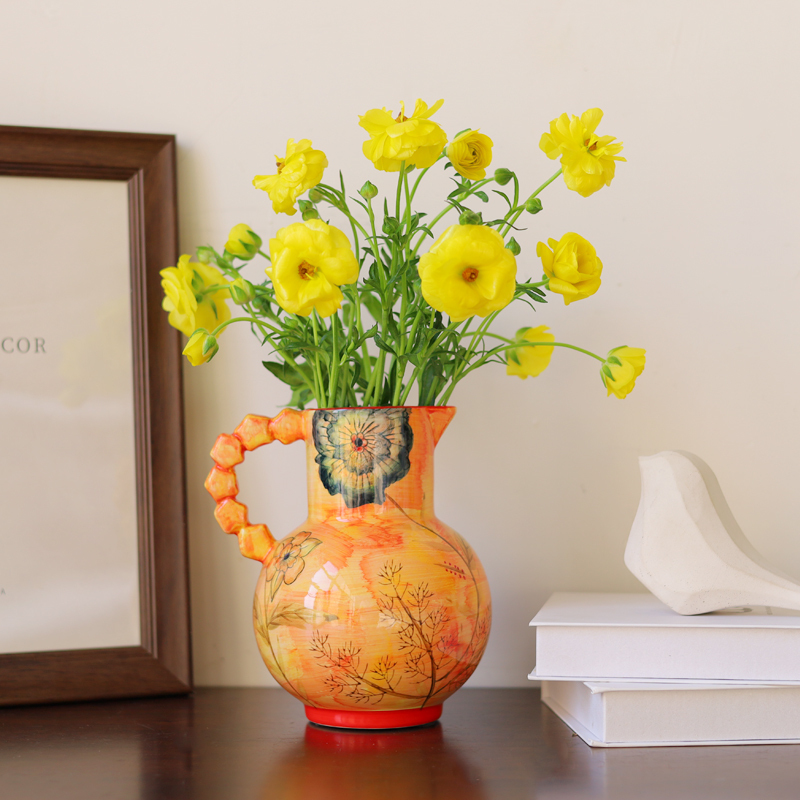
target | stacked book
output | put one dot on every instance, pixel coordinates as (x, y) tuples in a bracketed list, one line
[(623, 670)]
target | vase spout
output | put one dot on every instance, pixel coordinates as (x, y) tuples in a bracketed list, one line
[(440, 417)]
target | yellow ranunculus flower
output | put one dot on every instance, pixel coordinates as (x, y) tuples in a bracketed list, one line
[(572, 265), (623, 365), (470, 153), (416, 139), (194, 348), (310, 260), (467, 271), (529, 361), (588, 160), (186, 298), (243, 242), (300, 170)]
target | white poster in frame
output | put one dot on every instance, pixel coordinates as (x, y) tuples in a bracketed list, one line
[(93, 577)]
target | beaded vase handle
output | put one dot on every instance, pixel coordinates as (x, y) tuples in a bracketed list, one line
[(255, 541)]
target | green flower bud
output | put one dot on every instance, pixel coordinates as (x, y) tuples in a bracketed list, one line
[(390, 226), (368, 191), (533, 205), (470, 217), (210, 344), (304, 205), (206, 255), (310, 213), (513, 246), (261, 304), (502, 176), (315, 195), (242, 291)]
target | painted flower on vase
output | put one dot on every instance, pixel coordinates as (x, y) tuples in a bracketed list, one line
[(361, 452), (288, 561)]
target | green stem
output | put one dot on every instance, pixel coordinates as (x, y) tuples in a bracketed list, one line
[(333, 385), (514, 215), (474, 188), (525, 343), (317, 369)]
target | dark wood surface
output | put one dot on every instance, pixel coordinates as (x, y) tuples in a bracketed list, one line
[(255, 744), (162, 664)]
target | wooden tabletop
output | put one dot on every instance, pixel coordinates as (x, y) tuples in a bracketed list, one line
[(255, 744)]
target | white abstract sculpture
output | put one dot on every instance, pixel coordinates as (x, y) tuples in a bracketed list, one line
[(687, 549)]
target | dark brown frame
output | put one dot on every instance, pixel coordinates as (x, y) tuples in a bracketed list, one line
[(162, 664)]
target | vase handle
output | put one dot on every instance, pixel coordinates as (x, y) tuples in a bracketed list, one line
[(255, 541)]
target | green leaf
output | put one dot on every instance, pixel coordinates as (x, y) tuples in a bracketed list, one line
[(483, 196), (505, 197), (283, 372), (383, 345), (301, 395), (614, 360), (430, 382), (607, 371), (373, 305)]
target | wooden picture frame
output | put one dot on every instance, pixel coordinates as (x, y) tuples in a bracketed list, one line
[(162, 664)]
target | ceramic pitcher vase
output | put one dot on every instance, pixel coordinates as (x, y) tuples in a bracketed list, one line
[(372, 612)]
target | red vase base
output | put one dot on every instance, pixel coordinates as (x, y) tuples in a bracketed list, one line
[(364, 719)]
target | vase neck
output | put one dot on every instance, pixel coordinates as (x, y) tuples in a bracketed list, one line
[(372, 461)]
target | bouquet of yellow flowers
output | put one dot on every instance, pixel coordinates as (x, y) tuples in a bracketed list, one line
[(362, 320)]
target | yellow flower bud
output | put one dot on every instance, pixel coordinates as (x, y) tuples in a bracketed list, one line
[(528, 361), (300, 170), (468, 271), (622, 367), (416, 139), (572, 265), (588, 160), (470, 153), (202, 347), (243, 242)]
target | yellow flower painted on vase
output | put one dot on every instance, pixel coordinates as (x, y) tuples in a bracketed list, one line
[(187, 297), (468, 271), (300, 170), (200, 348), (417, 140), (310, 260), (530, 361), (243, 242), (622, 367), (572, 265), (588, 160), (470, 153)]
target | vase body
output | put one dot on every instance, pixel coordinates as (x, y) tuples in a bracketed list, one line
[(372, 612)]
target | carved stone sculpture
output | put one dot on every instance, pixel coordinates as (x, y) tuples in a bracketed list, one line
[(686, 547)]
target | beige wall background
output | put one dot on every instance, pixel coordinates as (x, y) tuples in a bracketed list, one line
[(698, 234)]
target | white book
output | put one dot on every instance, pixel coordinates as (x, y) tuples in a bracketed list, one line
[(634, 636), (659, 715)]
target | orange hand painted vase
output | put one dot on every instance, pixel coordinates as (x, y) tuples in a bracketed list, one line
[(372, 612)]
